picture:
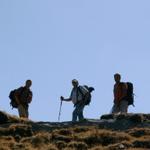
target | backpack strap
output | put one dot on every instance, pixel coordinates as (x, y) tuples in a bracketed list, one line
[(79, 90)]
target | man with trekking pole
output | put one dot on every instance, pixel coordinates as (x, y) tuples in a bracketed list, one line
[(79, 96)]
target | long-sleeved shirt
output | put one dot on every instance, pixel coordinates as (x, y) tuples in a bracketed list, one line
[(120, 92)]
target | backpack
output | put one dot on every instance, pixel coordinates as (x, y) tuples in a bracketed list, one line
[(86, 97), (130, 94), (13, 103)]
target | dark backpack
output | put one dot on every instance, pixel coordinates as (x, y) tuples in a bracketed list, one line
[(87, 97), (130, 94), (13, 103)]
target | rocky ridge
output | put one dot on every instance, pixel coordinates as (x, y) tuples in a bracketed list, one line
[(110, 132)]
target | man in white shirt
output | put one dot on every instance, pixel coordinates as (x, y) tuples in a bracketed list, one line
[(77, 97)]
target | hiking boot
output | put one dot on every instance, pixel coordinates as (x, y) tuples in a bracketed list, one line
[(74, 122)]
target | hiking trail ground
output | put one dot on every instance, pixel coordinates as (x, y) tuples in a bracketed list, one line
[(110, 132)]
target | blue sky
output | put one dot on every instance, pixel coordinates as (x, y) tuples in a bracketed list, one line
[(52, 42)]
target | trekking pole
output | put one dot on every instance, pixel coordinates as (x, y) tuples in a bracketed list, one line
[(59, 111)]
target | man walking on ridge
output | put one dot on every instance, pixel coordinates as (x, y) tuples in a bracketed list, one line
[(23, 96), (120, 95), (78, 96)]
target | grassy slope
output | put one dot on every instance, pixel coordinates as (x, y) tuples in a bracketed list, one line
[(18, 134)]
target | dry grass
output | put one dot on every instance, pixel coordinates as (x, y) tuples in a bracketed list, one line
[(138, 149), (102, 137), (139, 132), (98, 148), (6, 142), (19, 136), (141, 143)]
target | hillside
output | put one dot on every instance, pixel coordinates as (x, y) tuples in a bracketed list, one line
[(110, 132)]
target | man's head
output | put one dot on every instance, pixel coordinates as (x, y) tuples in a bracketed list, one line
[(75, 83), (117, 77), (28, 84)]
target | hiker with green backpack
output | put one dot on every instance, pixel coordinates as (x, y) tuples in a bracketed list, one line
[(123, 95), (80, 96), (20, 99)]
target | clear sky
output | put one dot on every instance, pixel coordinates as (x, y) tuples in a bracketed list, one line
[(53, 41)]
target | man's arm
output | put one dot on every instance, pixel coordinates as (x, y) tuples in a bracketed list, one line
[(65, 99), (114, 90), (30, 97)]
